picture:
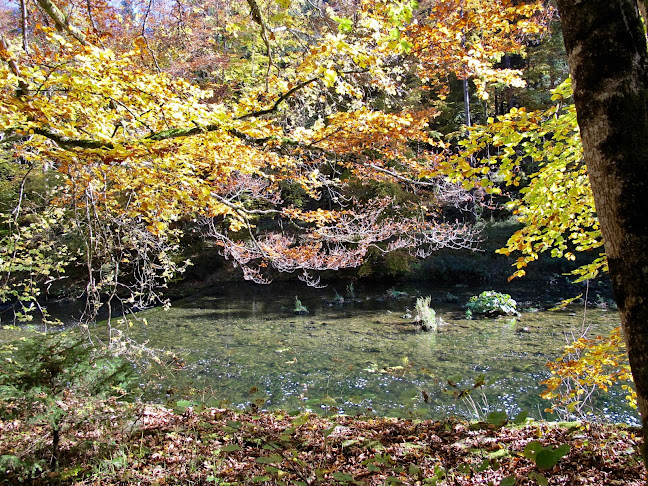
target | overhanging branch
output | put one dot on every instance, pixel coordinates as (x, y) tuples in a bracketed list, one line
[(69, 143)]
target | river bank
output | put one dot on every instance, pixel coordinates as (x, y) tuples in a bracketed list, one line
[(151, 445)]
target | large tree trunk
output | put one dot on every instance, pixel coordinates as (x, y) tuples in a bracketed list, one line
[(608, 60)]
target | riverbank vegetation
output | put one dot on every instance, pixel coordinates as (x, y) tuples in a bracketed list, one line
[(67, 419)]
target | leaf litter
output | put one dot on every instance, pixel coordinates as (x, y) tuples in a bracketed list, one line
[(152, 445)]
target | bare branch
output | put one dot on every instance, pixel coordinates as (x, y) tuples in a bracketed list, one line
[(279, 100), (143, 34)]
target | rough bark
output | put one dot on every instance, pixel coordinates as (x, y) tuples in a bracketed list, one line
[(608, 61)]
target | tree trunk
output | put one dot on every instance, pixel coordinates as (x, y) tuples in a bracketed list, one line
[(56, 438), (23, 25), (608, 61)]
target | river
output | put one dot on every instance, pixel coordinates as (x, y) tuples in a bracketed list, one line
[(243, 346)]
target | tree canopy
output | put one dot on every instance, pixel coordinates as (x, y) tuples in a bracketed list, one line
[(272, 129)]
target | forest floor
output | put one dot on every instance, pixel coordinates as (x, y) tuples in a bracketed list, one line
[(151, 445)]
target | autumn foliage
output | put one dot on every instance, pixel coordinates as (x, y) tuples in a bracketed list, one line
[(588, 365), (160, 122)]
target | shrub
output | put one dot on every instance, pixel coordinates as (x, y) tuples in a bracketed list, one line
[(44, 379), (491, 303)]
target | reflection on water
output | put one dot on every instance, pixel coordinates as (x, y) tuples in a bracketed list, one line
[(245, 345)]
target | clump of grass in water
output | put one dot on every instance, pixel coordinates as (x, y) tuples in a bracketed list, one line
[(299, 307), (425, 315)]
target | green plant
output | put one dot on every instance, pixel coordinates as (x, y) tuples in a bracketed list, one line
[(395, 294), (31, 253), (545, 457), (52, 380), (425, 315), (491, 303), (338, 299), (351, 291)]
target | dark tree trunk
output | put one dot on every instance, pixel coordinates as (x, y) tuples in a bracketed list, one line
[(608, 61), (56, 438)]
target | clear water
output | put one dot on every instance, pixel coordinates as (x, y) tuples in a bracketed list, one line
[(244, 345)]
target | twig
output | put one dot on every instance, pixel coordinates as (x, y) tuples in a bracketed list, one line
[(146, 14)]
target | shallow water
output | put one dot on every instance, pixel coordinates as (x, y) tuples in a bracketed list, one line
[(244, 345)]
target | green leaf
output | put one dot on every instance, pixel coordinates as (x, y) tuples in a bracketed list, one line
[(508, 481), (393, 480), (344, 25), (521, 417), (340, 476), (301, 419), (184, 404), (230, 448), (531, 449), (278, 18), (260, 479), (538, 478), (498, 418), (375, 445), (498, 453), (563, 449), (271, 459), (547, 458)]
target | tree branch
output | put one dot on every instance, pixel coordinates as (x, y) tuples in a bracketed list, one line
[(69, 143), (23, 25), (23, 87), (255, 12), (279, 100), (143, 34), (61, 21)]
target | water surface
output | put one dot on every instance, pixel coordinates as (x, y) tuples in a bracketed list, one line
[(244, 346)]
